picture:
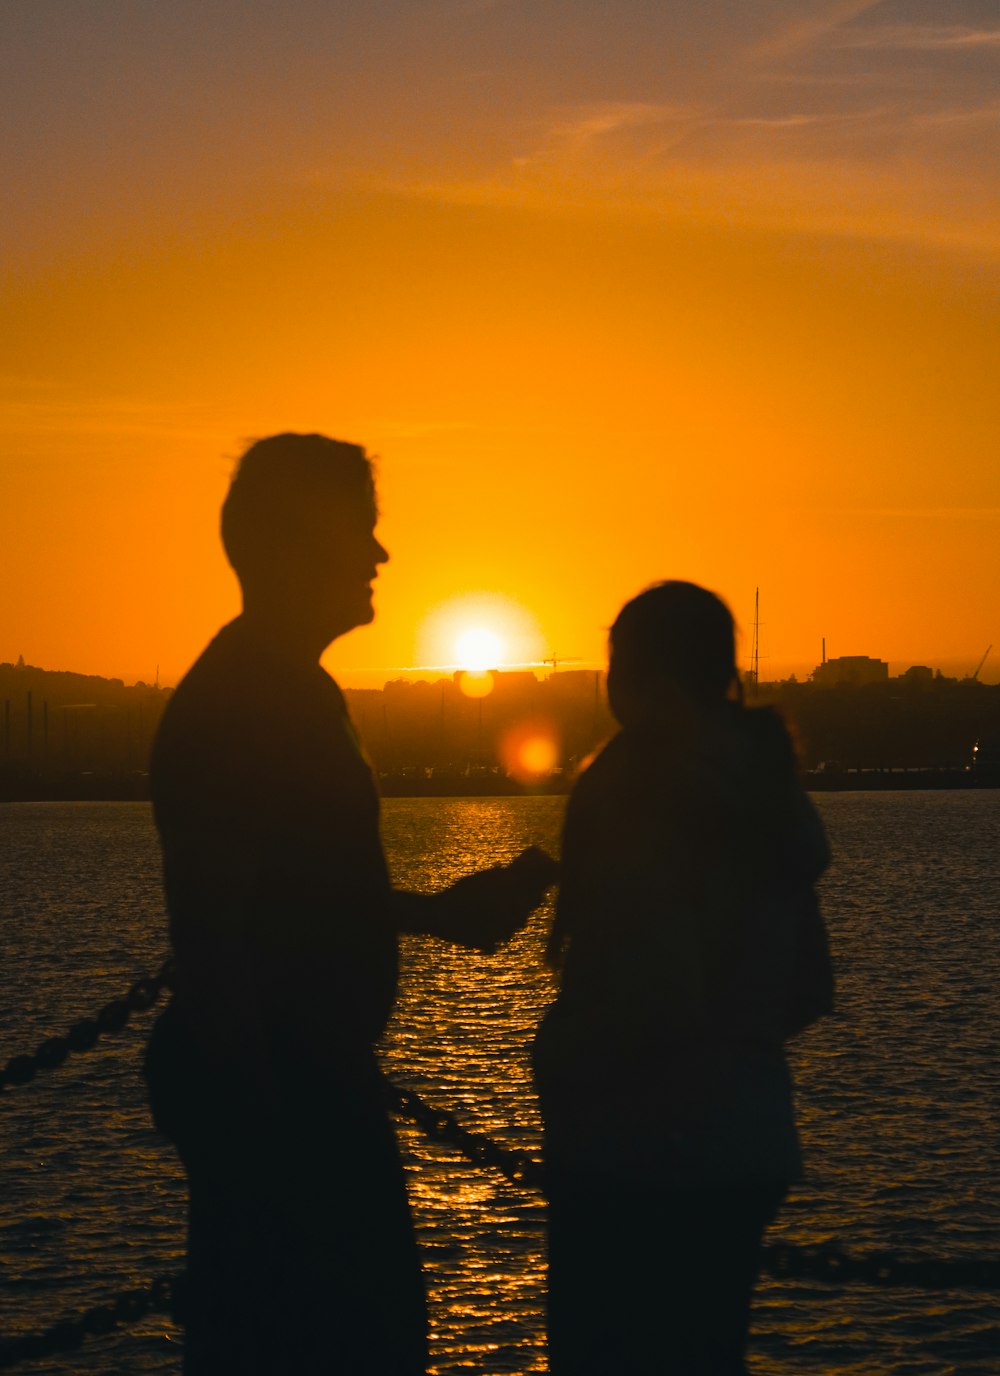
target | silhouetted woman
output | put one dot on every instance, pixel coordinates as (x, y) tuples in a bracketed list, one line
[(690, 947)]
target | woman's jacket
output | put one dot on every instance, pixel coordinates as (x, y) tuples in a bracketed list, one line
[(692, 947)]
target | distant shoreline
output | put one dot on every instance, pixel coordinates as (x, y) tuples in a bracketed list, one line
[(134, 787)]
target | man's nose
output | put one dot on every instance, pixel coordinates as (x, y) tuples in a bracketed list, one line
[(381, 553)]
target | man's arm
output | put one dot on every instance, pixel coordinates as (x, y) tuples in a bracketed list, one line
[(481, 910)]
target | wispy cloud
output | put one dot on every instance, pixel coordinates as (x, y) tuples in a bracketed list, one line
[(588, 136), (37, 405), (808, 30), (827, 119), (828, 197), (472, 7), (984, 115), (774, 121), (16, 385), (419, 429), (596, 121), (820, 127), (921, 513), (918, 38)]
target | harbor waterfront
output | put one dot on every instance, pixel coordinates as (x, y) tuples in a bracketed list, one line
[(80, 737), (896, 1093)]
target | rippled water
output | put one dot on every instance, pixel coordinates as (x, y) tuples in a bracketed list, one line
[(897, 1094)]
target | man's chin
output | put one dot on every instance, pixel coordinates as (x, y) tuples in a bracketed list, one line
[(361, 614)]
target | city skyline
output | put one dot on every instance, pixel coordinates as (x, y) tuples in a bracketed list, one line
[(985, 670), (984, 666)]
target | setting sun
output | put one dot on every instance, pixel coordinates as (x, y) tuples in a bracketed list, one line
[(478, 648), (477, 631)]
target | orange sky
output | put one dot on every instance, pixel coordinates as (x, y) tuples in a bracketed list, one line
[(615, 293)]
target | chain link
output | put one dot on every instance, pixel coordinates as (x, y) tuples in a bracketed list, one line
[(83, 1035), (830, 1266), (69, 1334), (519, 1167)]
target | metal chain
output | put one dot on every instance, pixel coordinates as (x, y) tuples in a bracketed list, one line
[(83, 1035), (67, 1335), (783, 1261), (519, 1167), (829, 1265)]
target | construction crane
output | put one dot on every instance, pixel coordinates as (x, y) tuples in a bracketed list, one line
[(556, 660), (986, 652)]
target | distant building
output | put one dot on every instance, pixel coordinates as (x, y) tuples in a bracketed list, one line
[(918, 673), (855, 671)]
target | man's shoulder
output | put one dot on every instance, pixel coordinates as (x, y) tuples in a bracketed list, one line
[(237, 674), (219, 659), (204, 689), (244, 713)]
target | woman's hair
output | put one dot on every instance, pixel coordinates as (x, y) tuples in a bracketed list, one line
[(676, 631)]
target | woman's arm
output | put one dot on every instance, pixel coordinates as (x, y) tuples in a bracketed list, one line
[(480, 910)]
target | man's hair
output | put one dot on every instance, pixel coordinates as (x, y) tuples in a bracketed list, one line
[(678, 631), (277, 484)]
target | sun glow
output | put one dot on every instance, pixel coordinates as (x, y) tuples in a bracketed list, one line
[(478, 649), (479, 631)]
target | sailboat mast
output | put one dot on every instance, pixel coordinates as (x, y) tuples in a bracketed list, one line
[(755, 651)]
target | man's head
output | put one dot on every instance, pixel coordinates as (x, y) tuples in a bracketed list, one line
[(298, 527)]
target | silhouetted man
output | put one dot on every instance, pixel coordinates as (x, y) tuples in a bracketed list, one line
[(301, 1256)]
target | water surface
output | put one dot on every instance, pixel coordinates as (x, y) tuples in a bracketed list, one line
[(896, 1094)]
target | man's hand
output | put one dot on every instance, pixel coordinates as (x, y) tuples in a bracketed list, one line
[(485, 909)]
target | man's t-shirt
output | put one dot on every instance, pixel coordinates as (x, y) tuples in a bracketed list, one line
[(276, 883)]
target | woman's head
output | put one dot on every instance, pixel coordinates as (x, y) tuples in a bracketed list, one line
[(674, 636)]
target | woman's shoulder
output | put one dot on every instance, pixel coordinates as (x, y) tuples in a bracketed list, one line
[(618, 766), (629, 789), (766, 727), (752, 749)]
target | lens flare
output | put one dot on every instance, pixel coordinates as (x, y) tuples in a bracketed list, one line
[(530, 751), (476, 683)]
